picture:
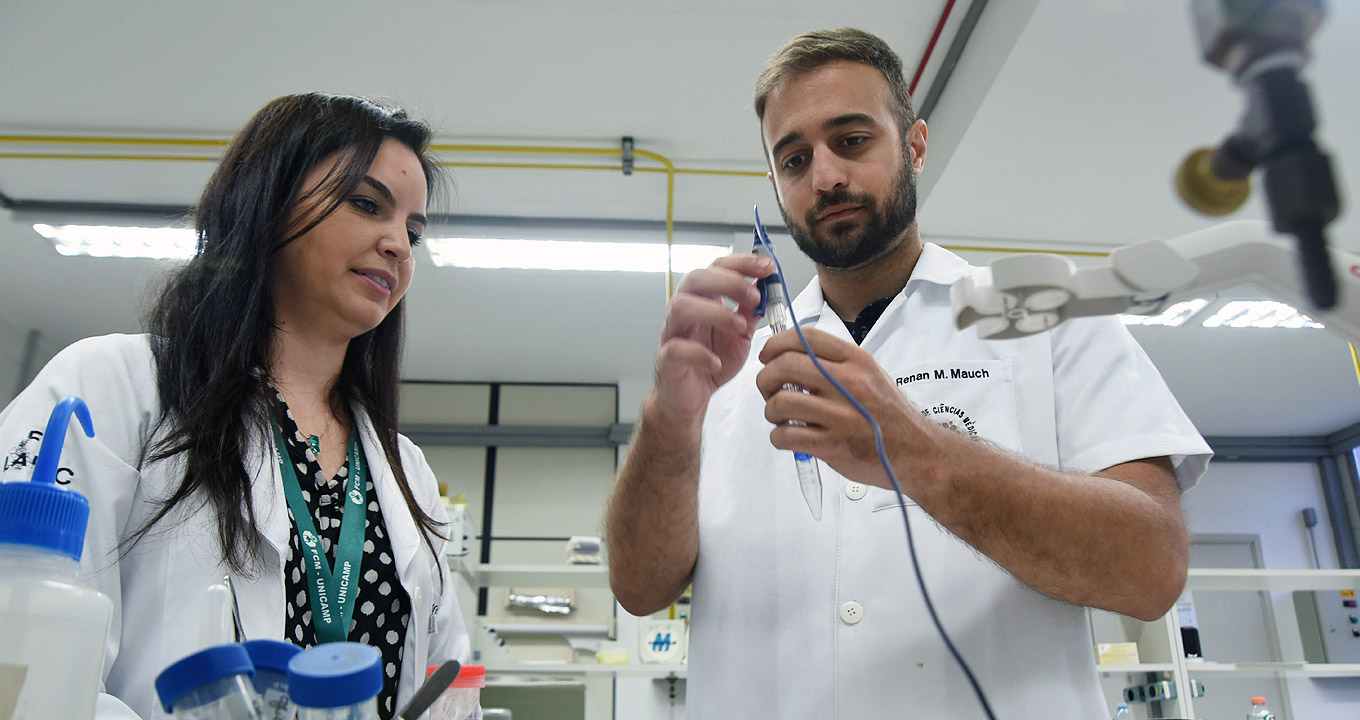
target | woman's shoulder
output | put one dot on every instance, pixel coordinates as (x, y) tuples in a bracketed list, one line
[(102, 348), (118, 359), (412, 457), (418, 471), (411, 452), (116, 377)]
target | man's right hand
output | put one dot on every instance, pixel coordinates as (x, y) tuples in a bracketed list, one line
[(703, 341), (652, 522)]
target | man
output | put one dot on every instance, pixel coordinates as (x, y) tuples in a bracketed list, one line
[(1040, 474)]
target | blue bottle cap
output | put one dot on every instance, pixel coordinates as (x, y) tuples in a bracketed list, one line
[(335, 675), (199, 669), (271, 655), (41, 513)]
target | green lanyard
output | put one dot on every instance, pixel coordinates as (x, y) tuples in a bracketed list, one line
[(332, 590)]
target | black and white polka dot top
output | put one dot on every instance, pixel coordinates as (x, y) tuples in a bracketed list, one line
[(382, 608)]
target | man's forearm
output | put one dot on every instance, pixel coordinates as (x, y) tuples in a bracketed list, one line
[(1115, 540), (652, 524)]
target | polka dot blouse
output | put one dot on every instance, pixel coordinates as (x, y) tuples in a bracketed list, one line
[(382, 608)]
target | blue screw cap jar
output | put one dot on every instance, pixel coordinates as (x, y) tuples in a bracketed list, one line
[(211, 676), (270, 655), (335, 675)]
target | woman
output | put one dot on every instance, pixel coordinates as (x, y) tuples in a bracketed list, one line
[(284, 331)]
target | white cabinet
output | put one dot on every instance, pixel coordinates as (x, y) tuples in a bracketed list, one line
[(1161, 655), (1160, 661), (594, 682), (1161, 652)]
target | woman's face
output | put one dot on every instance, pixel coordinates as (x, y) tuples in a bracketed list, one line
[(343, 276)]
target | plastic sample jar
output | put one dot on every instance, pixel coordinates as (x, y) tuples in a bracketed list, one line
[(463, 698), (336, 681), (270, 658), (210, 684), (52, 628)]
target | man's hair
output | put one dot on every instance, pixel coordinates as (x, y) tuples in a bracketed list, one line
[(812, 50)]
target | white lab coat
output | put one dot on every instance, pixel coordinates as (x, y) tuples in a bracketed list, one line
[(157, 588), (795, 618)]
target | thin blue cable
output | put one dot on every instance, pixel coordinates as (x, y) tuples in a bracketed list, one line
[(892, 476)]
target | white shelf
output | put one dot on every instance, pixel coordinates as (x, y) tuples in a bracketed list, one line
[(554, 669), (1138, 668), (500, 575), (1269, 669), (533, 681), (507, 575), (1218, 579), (1158, 638), (568, 629)]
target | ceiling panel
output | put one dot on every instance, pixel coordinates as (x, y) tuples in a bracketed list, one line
[(1059, 128)]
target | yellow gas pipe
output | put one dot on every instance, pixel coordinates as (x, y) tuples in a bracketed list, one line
[(667, 166)]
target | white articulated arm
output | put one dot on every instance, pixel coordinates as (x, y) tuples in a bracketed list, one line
[(1031, 293)]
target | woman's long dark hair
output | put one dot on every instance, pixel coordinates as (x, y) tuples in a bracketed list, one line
[(213, 324)]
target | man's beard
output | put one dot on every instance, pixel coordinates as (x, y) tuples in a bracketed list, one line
[(848, 248)]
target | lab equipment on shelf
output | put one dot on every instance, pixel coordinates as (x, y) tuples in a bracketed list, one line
[(1259, 711), (560, 604), (584, 550)]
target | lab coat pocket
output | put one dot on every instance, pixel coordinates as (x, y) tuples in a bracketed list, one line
[(975, 398), (888, 500)]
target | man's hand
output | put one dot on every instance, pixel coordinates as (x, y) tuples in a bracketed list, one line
[(1122, 527), (652, 522), (835, 432), (703, 341)]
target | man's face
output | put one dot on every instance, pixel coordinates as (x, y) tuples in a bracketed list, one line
[(846, 188)]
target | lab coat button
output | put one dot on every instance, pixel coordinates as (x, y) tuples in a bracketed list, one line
[(855, 491), (852, 613)]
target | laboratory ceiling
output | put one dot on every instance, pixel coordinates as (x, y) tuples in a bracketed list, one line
[(1057, 128)]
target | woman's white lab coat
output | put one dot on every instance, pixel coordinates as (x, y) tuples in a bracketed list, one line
[(158, 586)]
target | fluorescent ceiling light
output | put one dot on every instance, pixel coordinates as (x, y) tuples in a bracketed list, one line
[(497, 253), (1174, 316), (1259, 314), (126, 242)]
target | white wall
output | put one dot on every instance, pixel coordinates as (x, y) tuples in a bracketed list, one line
[(13, 343), (541, 495), (1266, 499)]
